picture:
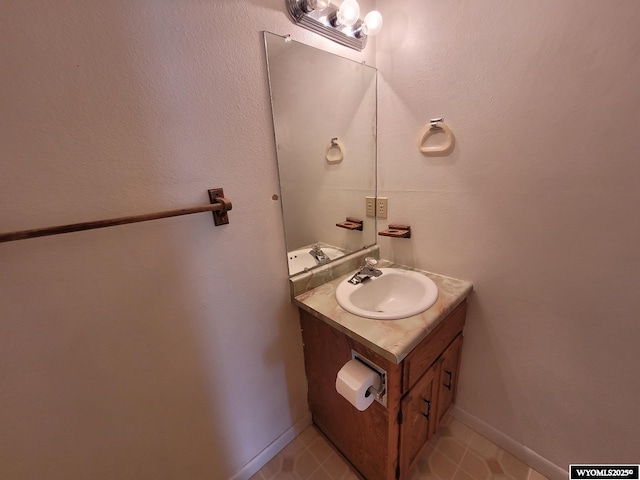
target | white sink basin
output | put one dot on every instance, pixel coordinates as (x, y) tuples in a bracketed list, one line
[(397, 293), (301, 260)]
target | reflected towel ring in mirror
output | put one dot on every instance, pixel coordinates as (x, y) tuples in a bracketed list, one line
[(335, 151), (436, 125)]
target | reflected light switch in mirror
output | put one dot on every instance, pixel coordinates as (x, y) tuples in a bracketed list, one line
[(371, 206)]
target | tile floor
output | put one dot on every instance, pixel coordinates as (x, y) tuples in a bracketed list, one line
[(456, 453)]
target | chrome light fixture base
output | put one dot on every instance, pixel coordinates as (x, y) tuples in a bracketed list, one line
[(319, 21)]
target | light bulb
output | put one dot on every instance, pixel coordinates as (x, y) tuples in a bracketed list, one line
[(372, 23), (348, 13), (310, 5)]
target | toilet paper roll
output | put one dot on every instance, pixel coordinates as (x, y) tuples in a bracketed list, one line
[(353, 381)]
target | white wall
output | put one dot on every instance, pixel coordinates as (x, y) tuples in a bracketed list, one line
[(537, 206), (166, 349)]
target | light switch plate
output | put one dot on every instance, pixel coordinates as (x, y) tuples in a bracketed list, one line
[(371, 206)]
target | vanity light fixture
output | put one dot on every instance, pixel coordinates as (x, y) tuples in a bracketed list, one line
[(340, 23)]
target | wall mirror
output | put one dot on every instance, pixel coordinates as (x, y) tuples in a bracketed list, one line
[(324, 117)]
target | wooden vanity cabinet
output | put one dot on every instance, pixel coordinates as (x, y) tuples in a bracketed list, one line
[(382, 442)]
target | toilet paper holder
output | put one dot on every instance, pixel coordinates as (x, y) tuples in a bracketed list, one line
[(379, 391)]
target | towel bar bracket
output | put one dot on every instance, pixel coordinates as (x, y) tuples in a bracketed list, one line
[(220, 217)]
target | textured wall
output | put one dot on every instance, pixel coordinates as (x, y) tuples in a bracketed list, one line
[(161, 350), (537, 206)]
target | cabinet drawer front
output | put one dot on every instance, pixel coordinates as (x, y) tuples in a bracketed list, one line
[(428, 351)]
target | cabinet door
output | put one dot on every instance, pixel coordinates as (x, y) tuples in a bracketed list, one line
[(449, 366), (418, 418)]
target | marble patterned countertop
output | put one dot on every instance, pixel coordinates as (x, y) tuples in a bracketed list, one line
[(393, 339)]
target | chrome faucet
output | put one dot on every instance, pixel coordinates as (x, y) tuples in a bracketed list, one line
[(366, 272), (319, 256)]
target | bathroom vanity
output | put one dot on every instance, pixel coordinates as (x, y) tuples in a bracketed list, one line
[(420, 356)]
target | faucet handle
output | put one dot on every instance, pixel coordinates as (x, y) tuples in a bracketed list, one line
[(370, 262)]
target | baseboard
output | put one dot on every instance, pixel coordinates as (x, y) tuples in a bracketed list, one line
[(272, 449), (525, 454)]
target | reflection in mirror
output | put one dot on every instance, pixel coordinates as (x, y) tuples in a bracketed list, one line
[(324, 117)]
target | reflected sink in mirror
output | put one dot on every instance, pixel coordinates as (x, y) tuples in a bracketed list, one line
[(397, 293), (301, 260)]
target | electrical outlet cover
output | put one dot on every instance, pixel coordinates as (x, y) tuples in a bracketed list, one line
[(382, 207)]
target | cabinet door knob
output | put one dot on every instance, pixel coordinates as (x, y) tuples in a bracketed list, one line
[(428, 414), (448, 382)]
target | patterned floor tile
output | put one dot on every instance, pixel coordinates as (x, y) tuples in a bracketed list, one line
[(451, 448), (512, 466), (475, 465), (441, 466), (455, 453)]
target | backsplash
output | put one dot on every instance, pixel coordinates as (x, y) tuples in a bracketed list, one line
[(306, 281)]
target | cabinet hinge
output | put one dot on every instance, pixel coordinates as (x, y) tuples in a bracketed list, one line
[(398, 472), (399, 417)]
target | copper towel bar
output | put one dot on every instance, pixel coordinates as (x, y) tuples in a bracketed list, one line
[(219, 206)]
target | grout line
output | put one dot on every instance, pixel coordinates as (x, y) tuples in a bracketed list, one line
[(325, 461), (334, 450), (458, 466), (306, 448)]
